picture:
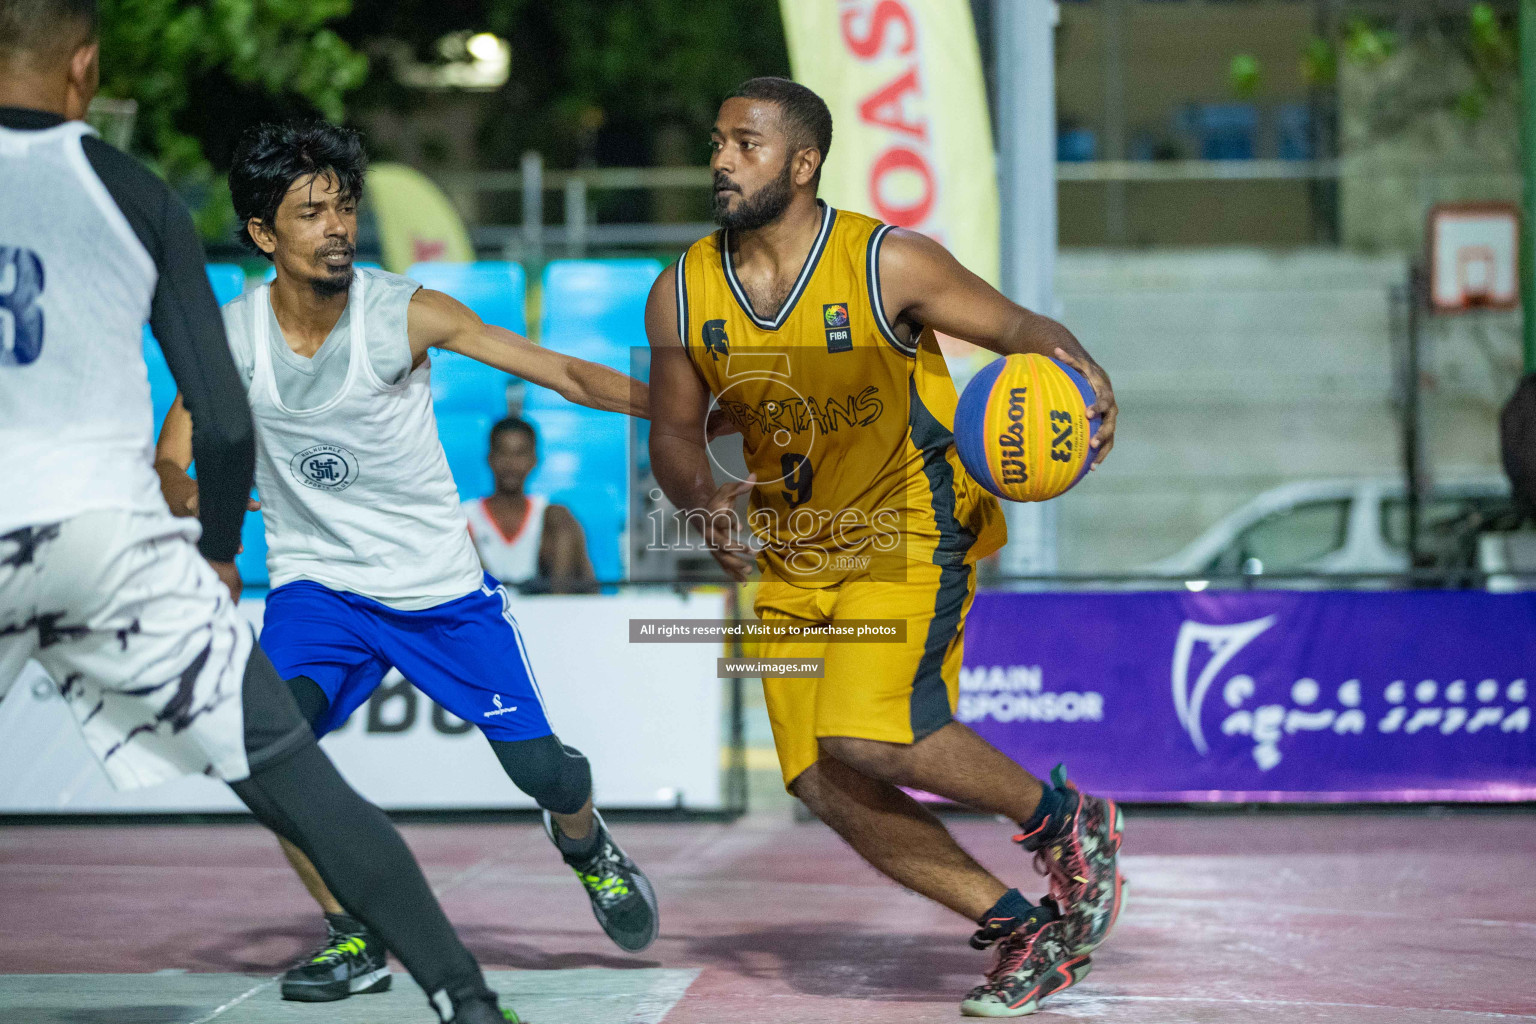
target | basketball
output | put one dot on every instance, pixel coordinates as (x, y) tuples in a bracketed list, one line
[(1022, 427)]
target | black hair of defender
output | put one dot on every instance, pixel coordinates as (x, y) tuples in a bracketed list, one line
[(512, 425), (269, 158), (806, 117)]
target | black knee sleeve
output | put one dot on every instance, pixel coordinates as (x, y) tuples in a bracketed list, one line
[(558, 777), (311, 699)]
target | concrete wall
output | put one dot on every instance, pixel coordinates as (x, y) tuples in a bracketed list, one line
[(1237, 370), (1173, 54)]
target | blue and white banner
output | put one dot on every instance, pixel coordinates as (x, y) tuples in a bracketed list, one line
[(1272, 696)]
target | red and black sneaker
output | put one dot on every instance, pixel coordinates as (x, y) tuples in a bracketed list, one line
[(1033, 961), (1079, 853)]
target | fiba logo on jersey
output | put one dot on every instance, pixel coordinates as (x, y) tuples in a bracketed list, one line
[(325, 467), (839, 334)]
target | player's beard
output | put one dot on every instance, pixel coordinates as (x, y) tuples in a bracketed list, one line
[(339, 279), (760, 209)]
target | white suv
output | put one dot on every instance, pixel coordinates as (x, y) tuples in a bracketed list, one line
[(1327, 526)]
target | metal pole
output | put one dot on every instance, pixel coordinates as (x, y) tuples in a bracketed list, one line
[(1116, 218), (1413, 439), (533, 211), (1026, 171), (1528, 168), (576, 216)]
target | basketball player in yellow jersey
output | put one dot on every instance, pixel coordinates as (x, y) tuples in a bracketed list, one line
[(813, 329)]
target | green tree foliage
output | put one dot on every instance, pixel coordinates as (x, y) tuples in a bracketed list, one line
[(1483, 39), (175, 57), (604, 81)]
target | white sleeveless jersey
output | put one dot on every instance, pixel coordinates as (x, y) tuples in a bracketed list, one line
[(75, 291), (511, 560), (355, 492)]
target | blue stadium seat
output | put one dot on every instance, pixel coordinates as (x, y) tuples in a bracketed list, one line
[(466, 441), (582, 468), (497, 292), (1226, 130), (464, 385), (594, 310), (228, 280), (1077, 145)]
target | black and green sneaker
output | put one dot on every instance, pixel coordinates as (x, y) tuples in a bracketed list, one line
[(622, 898), (351, 962)]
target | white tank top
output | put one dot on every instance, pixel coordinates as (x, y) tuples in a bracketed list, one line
[(75, 290), (513, 559), (356, 492)]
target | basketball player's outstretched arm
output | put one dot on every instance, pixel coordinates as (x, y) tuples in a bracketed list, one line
[(680, 427), (922, 283), (438, 321)]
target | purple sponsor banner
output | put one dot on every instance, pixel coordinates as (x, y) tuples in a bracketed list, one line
[(1261, 696)]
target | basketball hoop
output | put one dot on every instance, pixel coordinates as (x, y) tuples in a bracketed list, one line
[(1473, 252)]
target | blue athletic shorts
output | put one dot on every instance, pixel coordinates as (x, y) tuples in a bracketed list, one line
[(467, 655)]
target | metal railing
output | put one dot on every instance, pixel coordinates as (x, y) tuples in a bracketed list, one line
[(578, 234)]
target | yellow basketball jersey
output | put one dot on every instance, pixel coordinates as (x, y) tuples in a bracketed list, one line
[(846, 427)]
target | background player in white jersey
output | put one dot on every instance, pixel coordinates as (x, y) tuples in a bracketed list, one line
[(98, 582), (370, 557), (525, 540)]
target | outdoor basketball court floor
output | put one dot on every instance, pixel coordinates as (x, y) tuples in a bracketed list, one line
[(1405, 918)]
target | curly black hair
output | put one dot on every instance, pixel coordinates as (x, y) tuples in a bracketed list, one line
[(269, 158)]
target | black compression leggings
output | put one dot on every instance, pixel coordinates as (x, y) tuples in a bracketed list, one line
[(357, 851)]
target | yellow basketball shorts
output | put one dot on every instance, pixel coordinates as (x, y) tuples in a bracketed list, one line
[(892, 692)]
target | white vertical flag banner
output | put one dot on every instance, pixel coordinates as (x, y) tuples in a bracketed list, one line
[(912, 139)]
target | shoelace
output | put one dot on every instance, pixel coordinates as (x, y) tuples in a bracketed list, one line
[(1010, 958), (1065, 887), (604, 878), (338, 948)]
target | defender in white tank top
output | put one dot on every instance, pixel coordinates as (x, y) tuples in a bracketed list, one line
[(372, 565), (355, 489)]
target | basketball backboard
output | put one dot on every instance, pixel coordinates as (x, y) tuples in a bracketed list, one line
[(1473, 252)]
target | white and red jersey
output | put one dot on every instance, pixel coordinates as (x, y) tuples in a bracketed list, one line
[(511, 559)]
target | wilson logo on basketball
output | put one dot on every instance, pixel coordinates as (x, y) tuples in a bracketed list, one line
[(1010, 442)]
